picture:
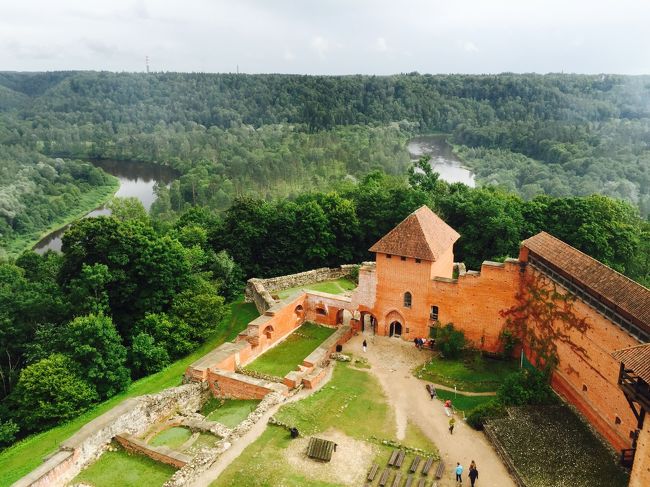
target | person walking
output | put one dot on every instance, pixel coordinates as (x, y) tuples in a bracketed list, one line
[(365, 345), (473, 473), (452, 422), (459, 471)]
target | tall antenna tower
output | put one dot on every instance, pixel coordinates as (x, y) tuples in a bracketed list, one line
[(146, 61)]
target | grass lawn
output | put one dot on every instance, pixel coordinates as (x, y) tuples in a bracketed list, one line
[(172, 437), (352, 402), (551, 447), (463, 403), (338, 286), (204, 440), (284, 358), (229, 412), (468, 374), (123, 469), (26, 455)]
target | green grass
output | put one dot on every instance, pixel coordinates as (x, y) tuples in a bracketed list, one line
[(352, 402), (204, 439), (463, 403), (284, 358), (123, 469), (172, 437), (337, 286), (26, 455), (263, 464), (229, 412), (87, 202), (468, 374)]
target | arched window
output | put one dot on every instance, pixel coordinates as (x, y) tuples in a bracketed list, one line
[(407, 299)]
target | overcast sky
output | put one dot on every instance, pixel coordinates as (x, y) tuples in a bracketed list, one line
[(327, 36)]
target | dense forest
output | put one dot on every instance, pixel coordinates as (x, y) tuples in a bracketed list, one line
[(277, 174)]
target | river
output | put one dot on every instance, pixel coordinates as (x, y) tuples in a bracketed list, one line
[(443, 159), (137, 179)]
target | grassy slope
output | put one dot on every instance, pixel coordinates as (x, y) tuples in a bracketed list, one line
[(25, 456), (88, 202), (284, 358), (337, 286), (463, 403), (123, 469), (483, 376)]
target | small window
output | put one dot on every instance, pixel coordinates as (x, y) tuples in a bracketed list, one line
[(617, 420), (417, 261), (407, 331), (407, 299), (321, 311), (403, 258), (434, 313), (584, 387), (388, 256)]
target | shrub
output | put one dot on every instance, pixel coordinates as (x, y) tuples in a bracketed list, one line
[(477, 417), (147, 356), (354, 274), (526, 387), (508, 342), (450, 341)]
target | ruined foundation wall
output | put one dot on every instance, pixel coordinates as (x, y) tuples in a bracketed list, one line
[(133, 416)]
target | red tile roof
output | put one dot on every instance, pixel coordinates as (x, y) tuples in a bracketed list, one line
[(627, 297), (421, 235), (636, 358)]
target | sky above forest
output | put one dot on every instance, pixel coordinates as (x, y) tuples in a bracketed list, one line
[(327, 36)]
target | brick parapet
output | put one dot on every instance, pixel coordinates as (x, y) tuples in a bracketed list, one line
[(158, 453)]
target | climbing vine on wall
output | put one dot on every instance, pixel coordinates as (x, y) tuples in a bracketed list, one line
[(543, 317)]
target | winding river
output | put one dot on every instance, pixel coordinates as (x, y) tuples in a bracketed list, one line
[(443, 159), (137, 179)]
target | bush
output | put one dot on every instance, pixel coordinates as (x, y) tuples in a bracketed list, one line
[(450, 341), (477, 417), (147, 357), (526, 387)]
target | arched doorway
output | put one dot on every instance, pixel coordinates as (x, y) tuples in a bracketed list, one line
[(368, 323), (395, 329), (268, 332)]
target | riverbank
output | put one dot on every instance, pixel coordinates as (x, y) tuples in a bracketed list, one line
[(87, 203)]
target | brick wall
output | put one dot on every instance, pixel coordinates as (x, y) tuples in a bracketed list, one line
[(641, 469), (159, 453)]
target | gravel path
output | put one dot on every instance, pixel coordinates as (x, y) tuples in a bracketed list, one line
[(392, 361)]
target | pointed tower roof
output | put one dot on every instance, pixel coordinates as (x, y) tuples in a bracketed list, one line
[(421, 235)]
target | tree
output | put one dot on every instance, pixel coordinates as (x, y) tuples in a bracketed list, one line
[(202, 309), (147, 357), (174, 335), (129, 208), (94, 343), (450, 341), (49, 392)]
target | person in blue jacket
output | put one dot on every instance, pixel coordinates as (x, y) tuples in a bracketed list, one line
[(459, 471)]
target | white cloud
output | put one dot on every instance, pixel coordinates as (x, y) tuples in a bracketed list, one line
[(381, 45), (288, 55), (320, 45), (469, 46)]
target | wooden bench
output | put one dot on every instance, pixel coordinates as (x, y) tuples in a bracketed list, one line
[(431, 390), (372, 472), (397, 480), (400, 458), (409, 481), (427, 466), (440, 470), (415, 464), (393, 457), (383, 480)]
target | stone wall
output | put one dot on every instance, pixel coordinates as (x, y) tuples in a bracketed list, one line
[(259, 291), (161, 454), (133, 416)]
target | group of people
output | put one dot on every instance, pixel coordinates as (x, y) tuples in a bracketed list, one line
[(472, 473), (420, 343)]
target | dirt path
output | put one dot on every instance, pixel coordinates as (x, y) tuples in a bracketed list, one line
[(392, 361), (211, 474)]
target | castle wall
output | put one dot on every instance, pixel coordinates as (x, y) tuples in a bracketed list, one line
[(640, 476), (473, 302), (587, 374), (444, 265)]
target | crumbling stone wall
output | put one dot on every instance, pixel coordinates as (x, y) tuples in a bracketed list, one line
[(260, 291), (132, 416)]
